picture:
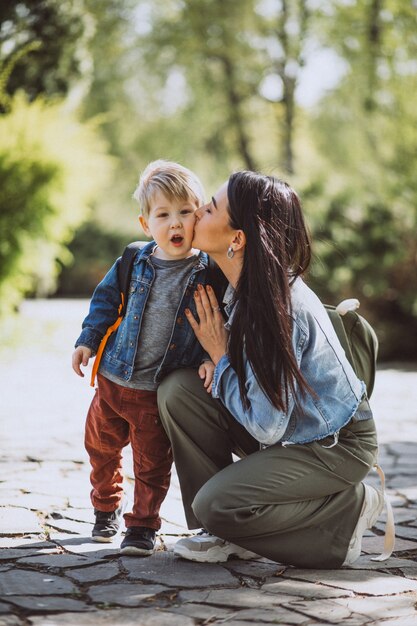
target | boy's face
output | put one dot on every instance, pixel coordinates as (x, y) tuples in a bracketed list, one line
[(171, 224)]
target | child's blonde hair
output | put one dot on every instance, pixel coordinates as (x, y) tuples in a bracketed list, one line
[(172, 179)]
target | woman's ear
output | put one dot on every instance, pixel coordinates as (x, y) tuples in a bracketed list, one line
[(144, 224), (239, 240)]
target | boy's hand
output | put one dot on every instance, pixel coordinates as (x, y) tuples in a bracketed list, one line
[(205, 371), (81, 356)]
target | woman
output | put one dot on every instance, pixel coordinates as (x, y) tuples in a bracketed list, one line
[(284, 398)]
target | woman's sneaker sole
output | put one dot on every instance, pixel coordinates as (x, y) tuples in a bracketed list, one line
[(218, 553), (371, 510)]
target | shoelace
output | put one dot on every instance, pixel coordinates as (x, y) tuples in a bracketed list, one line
[(389, 537)]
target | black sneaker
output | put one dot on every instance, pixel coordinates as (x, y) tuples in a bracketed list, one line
[(138, 540), (108, 523)]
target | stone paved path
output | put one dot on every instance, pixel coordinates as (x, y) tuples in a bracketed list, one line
[(52, 574)]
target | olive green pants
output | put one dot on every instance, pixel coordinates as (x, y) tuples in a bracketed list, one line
[(296, 505)]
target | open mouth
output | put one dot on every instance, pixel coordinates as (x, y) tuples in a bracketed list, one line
[(177, 240)]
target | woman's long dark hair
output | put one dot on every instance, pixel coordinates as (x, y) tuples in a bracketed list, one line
[(278, 250)]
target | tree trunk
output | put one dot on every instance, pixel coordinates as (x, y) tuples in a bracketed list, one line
[(374, 50), (288, 100), (292, 46), (236, 115)]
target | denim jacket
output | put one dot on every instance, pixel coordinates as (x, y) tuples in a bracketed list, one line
[(183, 349), (322, 361)]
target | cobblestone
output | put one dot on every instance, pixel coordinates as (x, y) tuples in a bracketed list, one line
[(53, 574)]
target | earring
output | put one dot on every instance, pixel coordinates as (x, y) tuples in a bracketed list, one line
[(230, 252)]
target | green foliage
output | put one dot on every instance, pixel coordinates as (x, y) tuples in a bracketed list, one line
[(93, 251), (7, 68), (57, 32), (51, 167), (368, 251)]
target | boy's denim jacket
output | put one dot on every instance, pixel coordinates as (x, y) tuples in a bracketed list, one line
[(321, 359), (183, 349)]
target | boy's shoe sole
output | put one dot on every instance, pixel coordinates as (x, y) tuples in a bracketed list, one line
[(132, 551), (218, 553), (99, 539)]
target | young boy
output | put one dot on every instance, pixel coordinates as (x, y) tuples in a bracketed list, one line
[(153, 338)]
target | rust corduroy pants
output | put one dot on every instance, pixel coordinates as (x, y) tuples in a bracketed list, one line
[(117, 416)]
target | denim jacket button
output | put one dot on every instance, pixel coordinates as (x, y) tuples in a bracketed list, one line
[(179, 320), (172, 346), (142, 289)]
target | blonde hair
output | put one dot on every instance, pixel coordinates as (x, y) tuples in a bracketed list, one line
[(172, 179)]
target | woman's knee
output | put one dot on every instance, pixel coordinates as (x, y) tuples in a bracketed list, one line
[(211, 509), (203, 509)]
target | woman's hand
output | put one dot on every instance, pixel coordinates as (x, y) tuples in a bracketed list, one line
[(210, 331)]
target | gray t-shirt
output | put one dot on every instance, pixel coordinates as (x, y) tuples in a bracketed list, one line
[(158, 320)]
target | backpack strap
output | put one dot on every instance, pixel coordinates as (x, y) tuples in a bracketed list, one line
[(358, 339), (340, 332), (124, 274), (389, 537), (101, 347)]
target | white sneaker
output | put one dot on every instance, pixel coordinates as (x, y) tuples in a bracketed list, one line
[(206, 548), (371, 510)]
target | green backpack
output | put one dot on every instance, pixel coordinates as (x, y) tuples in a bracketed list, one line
[(358, 340)]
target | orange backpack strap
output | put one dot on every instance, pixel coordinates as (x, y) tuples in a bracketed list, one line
[(103, 342)]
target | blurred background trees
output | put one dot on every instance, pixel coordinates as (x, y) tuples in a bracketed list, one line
[(321, 92)]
